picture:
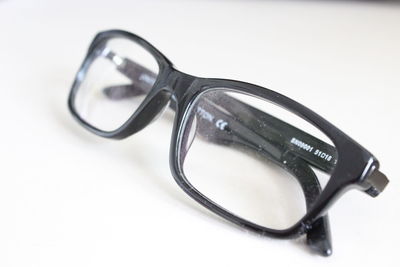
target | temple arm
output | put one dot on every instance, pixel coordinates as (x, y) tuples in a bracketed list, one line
[(313, 150)]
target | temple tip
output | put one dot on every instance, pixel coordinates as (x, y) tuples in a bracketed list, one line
[(322, 247), (319, 237)]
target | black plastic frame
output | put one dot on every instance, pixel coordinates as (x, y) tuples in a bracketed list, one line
[(355, 168)]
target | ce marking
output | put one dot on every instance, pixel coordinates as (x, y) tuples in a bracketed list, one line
[(221, 124)]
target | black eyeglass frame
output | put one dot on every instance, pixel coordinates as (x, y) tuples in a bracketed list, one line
[(355, 168)]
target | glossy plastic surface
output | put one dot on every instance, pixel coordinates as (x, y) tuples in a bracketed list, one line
[(354, 165)]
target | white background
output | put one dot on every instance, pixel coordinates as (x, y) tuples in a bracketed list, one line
[(69, 198)]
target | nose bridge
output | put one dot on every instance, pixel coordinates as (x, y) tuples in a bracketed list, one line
[(179, 83)]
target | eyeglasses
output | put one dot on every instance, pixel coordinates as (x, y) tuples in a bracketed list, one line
[(249, 154)]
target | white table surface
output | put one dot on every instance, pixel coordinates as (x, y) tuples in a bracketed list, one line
[(69, 198)]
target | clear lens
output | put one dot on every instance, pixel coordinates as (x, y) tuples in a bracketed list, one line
[(253, 158), (115, 81)]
